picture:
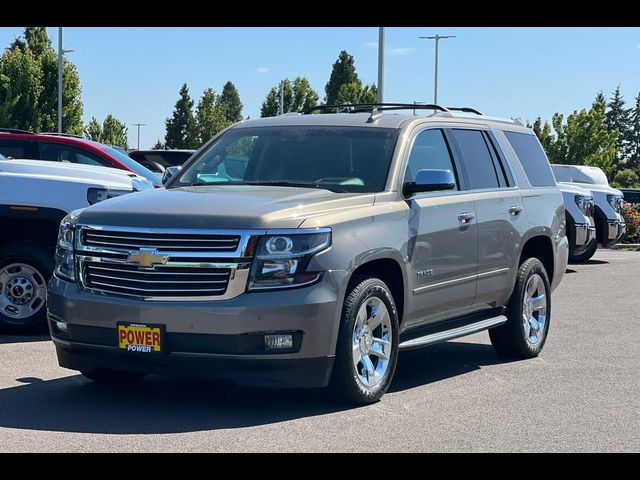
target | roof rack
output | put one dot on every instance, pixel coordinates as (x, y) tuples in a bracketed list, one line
[(58, 134), (466, 110), (15, 130), (360, 107)]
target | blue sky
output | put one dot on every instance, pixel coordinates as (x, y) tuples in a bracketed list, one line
[(135, 73)]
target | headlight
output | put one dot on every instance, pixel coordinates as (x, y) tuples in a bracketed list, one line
[(65, 259), (616, 202), (585, 204), (281, 260), (95, 195)]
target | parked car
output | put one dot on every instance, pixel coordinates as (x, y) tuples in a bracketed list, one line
[(608, 201), (34, 197), (348, 237), (631, 195), (581, 229), (69, 149), (159, 160)]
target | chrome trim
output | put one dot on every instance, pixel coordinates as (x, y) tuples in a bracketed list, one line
[(453, 333), (491, 273), (419, 290)]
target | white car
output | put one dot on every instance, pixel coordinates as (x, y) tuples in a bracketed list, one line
[(34, 197)]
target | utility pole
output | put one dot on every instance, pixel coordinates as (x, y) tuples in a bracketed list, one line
[(281, 107), (437, 38), (139, 125), (61, 52), (380, 64)]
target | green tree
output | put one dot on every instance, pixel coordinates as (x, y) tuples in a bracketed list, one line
[(543, 132), (343, 72), (298, 96), (93, 131), (355, 92), (159, 145), (626, 178), (181, 128), (114, 132), (209, 116), (230, 103), (20, 90), (617, 119), (634, 135)]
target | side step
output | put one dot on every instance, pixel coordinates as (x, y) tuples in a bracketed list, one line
[(453, 333)]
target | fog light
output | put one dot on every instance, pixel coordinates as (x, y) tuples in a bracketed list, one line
[(278, 341), (61, 326)]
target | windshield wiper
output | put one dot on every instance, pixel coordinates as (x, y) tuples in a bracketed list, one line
[(284, 183)]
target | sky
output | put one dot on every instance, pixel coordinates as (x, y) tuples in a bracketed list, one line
[(136, 72)]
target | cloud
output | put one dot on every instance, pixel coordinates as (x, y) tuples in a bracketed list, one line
[(371, 44), (262, 70), (401, 50)]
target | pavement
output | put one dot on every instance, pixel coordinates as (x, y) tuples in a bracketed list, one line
[(581, 394)]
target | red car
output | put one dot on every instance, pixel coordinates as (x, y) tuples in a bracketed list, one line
[(67, 148)]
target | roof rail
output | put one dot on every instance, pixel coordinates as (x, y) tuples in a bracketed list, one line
[(466, 110), (15, 130), (57, 134), (364, 107)]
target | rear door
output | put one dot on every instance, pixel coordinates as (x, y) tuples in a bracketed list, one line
[(500, 213)]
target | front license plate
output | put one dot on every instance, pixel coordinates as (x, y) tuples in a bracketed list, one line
[(139, 338)]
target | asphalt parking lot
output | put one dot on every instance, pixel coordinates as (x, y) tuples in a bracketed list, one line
[(581, 394)]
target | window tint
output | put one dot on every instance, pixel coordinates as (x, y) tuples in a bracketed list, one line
[(19, 149), (532, 158), (57, 152), (477, 161), (429, 151)]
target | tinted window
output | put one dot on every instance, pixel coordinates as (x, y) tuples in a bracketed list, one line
[(477, 161), (532, 158), (354, 159), (130, 163), (19, 149), (58, 152), (429, 151)]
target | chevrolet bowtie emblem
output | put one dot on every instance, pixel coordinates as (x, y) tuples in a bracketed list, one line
[(147, 258)]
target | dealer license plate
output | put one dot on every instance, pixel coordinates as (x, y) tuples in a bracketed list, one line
[(135, 337)]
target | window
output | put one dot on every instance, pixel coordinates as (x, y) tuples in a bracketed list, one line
[(532, 158), (58, 152), (478, 164), (429, 152), (19, 149)]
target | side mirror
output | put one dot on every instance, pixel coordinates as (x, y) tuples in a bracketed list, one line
[(430, 181), (168, 173)]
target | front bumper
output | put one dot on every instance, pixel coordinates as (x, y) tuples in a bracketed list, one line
[(205, 338), (615, 229), (583, 234)]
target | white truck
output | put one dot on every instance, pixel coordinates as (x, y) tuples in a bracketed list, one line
[(34, 197)]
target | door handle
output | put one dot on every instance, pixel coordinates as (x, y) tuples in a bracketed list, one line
[(466, 217), (515, 209)]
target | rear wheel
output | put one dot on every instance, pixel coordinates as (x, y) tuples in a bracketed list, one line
[(528, 313), (112, 376)]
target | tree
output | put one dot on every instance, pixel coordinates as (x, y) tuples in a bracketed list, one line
[(20, 90), (298, 97), (159, 145), (354, 92), (181, 131), (342, 72), (93, 131), (230, 103), (617, 119), (634, 135), (543, 132), (209, 116), (626, 178), (111, 132), (584, 139)]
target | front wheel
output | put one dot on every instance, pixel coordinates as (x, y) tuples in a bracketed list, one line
[(367, 348), (586, 254), (528, 314)]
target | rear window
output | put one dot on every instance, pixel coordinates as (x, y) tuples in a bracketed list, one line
[(477, 161), (532, 158)]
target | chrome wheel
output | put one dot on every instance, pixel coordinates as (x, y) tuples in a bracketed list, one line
[(22, 291), (534, 309), (371, 342)]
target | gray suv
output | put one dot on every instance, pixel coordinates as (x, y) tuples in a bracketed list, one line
[(307, 250)]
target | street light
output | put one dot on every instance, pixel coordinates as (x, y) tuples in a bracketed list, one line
[(139, 125), (380, 64), (61, 52), (437, 38)]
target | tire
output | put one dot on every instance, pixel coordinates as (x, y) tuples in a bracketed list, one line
[(518, 338), (111, 377), (586, 254), (366, 296), (24, 269)]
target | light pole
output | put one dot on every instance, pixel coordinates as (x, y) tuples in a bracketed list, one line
[(281, 106), (380, 64), (139, 125), (61, 52), (437, 38)]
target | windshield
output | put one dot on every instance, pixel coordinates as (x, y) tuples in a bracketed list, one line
[(343, 159), (588, 175), (2, 157), (133, 165)]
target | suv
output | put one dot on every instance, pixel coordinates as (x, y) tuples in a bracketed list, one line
[(327, 245), (159, 160), (581, 230), (34, 197), (69, 149), (609, 201)]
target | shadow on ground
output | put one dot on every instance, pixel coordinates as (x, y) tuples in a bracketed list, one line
[(39, 333), (171, 405)]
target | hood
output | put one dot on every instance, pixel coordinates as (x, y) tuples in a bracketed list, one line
[(566, 187), (603, 189), (231, 206), (112, 178)]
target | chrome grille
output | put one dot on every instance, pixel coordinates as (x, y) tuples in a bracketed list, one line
[(184, 242)]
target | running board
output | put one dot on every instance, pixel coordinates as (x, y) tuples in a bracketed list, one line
[(453, 333)]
